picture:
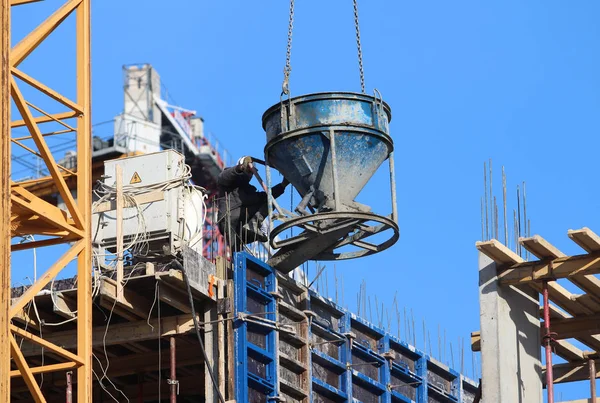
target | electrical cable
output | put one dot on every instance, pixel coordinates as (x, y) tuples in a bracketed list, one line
[(197, 328)]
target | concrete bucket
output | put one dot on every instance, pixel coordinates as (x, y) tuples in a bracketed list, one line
[(329, 145)]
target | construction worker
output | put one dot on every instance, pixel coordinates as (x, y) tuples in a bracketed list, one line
[(242, 209)]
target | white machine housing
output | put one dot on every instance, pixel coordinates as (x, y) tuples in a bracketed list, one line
[(171, 215)]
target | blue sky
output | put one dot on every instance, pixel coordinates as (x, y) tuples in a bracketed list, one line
[(513, 81)]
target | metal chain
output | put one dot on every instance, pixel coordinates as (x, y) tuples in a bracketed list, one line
[(360, 61), (285, 87)]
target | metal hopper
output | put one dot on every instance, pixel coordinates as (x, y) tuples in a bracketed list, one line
[(329, 145)]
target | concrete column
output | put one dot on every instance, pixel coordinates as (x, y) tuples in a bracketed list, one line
[(510, 340)]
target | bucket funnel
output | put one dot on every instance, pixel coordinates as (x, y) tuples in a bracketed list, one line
[(298, 134), (328, 146)]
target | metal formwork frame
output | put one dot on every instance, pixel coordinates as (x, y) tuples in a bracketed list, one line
[(261, 289), (367, 358), (30, 214)]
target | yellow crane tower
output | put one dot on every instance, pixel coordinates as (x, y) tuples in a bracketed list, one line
[(25, 214)]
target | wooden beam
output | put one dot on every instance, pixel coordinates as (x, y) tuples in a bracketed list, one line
[(563, 267), (591, 341), (175, 298), (562, 348), (540, 248), (119, 230), (187, 356), (586, 239), (120, 333), (476, 341), (130, 301), (567, 328), (571, 372), (145, 198), (63, 306), (498, 252)]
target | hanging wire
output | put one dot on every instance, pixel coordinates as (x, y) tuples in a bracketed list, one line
[(359, 48), (285, 87)]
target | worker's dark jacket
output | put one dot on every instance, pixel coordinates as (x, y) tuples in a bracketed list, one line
[(243, 198)]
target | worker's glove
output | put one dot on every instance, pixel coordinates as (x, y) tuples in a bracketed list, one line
[(245, 164)]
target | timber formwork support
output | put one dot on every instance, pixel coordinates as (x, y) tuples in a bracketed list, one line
[(30, 215), (510, 289)]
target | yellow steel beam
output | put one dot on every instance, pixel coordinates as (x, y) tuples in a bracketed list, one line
[(46, 154), (49, 115), (32, 151), (37, 36), (5, 336), (84, 203), (44, 369), (25, 371), (47, 277), (46, 344), (46, 119), (46, 211), (46, 90), (40, 244), (30, 212), (21, 2)]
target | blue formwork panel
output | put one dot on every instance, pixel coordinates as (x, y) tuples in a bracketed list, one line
[(309, 349), (254, 334)]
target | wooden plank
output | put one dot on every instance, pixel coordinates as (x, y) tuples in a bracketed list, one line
[(145, 198), (586, 239), (119, 231), (120, 333), (476, 341), (131, 301), (587, 301), (498, 252), (541, 248)]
